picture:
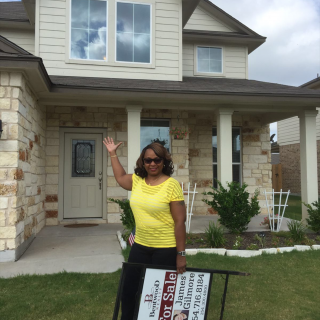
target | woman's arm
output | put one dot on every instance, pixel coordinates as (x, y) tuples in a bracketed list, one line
[(124, 180), (178, 211)]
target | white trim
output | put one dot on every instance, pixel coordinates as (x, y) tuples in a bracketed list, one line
[(233, 163), (150, 64), (62, 132), (208, 74), (37, 30)]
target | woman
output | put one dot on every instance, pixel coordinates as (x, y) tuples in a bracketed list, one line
[(158, 206), (182, 315)]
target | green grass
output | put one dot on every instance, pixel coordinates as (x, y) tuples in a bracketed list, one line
[(280, 286), (294, 209)]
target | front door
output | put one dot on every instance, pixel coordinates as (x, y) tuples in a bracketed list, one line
[(82, 175)]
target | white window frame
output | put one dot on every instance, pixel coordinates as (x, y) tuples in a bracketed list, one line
[(152, 119), (68, 34), (209, 74), (151, 34), (233, 163), (111, 38)]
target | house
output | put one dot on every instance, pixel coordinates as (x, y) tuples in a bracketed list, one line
[(75, 71), (289, 146)]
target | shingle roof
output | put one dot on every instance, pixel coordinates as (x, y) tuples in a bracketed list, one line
[(13, 11), (213, 86)]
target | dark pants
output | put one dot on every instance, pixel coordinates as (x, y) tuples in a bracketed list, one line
[(144, 255)]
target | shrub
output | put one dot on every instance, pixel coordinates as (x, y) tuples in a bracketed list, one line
[(214, 235), (253, 246), (237, 243), (261, 240), (314, 216), (233, 206), (297, 230), (126, 216), (275, 242)]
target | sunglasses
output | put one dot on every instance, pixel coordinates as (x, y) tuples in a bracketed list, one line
[(155, 160)]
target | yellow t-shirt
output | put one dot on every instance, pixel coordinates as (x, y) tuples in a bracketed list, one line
[(151, 209)]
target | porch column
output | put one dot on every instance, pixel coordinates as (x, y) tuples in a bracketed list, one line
[(224, 144), (133, 135), (308, 159)]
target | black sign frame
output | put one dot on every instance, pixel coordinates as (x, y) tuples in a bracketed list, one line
[(143, 268)]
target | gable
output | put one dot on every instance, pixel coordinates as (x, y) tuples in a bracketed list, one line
[(202, 20)]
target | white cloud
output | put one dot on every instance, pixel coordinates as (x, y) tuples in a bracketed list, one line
[(291, 53)]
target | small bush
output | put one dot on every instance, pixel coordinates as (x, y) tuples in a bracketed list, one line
[(233, 206), (214, 235), (126, 216), (237, 243), (275, 242), (297, 230), (253, 246), (261, 240), (314, 216)]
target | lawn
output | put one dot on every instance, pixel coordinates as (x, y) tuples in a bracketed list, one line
[(294, 209), (281, 286)]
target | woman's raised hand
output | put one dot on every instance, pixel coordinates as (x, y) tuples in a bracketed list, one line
[(111, 147)]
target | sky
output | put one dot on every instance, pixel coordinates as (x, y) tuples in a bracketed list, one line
[(291, 53)]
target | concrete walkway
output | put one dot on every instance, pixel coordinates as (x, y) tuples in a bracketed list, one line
[(89, 250)]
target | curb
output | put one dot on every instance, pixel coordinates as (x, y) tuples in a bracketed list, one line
[(123, 244), (250, 253)]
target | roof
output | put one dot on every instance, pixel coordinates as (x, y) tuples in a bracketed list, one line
[(189, 85), (311, 84), (13, 11), (7, 47)]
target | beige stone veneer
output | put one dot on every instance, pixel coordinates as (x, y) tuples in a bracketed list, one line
[(22, 165)]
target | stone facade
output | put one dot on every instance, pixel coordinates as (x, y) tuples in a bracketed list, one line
[(22, 166), (291, 171), (256, 156)]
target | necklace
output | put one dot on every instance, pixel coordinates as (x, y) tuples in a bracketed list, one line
[(155, 180)]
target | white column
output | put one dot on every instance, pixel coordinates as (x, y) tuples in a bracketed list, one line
[(308, 159), (134, 113), (224, 144)]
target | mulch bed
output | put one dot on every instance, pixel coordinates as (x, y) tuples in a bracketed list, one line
[(272, 240)]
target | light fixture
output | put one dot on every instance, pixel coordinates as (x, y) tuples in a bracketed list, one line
[(0, 128)]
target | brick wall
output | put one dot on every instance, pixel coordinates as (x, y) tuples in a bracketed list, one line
[(291, 173), (22, 170)]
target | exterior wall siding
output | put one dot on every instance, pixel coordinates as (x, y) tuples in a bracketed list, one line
[(23, 38), (234, 64), (22, 165), (201, 20), (168, 41)]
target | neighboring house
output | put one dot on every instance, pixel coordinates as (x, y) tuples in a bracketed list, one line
[(289, 143), (75, 71)]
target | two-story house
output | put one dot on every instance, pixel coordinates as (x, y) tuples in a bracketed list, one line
[(75, 71)]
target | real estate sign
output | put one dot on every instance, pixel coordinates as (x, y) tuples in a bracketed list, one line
[(167, 295)]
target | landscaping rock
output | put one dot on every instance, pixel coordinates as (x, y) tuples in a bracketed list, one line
[(302, 248), (286, 249), (269, 250), (191, 252), (243, 253), (315, 247), (218, 251)]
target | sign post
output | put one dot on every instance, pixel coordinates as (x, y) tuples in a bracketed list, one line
[(166, 295)]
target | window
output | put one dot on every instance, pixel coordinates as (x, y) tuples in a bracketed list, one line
[(155, 131), (236, 155), (88, 30), (209, 59), (133, 41)]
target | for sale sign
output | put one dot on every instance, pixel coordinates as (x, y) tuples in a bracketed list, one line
[(167, 295)]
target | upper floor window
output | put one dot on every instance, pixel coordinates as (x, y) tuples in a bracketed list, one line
[(88, 29), (209, 59), (133, 32)]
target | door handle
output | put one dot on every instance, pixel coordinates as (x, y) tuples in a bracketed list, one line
[(100, 183)]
